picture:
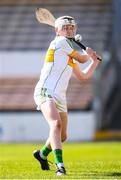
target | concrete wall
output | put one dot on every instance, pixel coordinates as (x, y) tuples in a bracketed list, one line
[(31, 127), (21, 63)]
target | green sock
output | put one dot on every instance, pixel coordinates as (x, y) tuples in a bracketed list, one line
[(45, 151), (58, 156)]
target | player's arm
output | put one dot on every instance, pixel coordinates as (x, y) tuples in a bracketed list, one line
[(67, 47), (82, 58), (87, 73), (78, 57)]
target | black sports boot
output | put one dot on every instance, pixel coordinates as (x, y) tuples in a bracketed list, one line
[(43, 162)]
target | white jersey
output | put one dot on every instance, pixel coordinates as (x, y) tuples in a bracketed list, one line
[(57, 68)]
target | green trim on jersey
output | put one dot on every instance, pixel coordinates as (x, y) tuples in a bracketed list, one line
[(70, 43)]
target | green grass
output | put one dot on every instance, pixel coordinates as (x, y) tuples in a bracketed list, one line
[(82, 161)]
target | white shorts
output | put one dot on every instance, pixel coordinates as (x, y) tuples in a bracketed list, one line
[(42, 95)]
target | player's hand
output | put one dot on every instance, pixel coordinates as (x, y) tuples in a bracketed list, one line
[(93, 54)]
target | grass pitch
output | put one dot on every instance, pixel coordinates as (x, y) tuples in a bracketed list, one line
[(82, 161)]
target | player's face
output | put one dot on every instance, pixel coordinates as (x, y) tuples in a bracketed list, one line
[(68, 31)]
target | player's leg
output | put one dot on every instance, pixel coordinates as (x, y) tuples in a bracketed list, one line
[(60, 166), (64, 119), (53, 118), (46, 149)]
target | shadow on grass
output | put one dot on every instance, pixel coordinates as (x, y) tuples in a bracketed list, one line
[(114, 174), (95, 174)]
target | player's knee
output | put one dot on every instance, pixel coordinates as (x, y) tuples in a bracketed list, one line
[(57, 124), (64, 137)]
